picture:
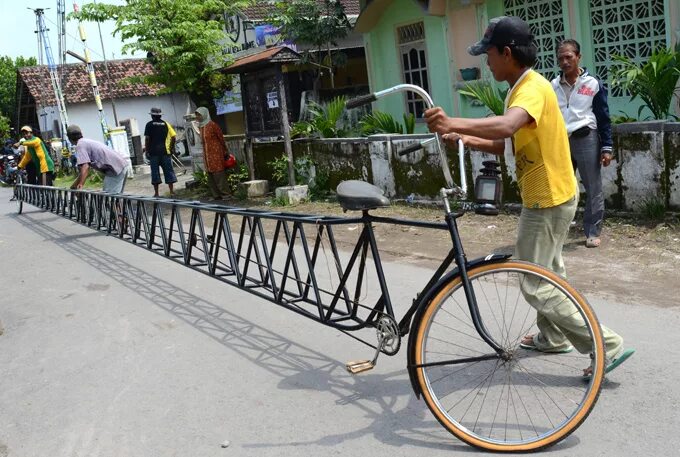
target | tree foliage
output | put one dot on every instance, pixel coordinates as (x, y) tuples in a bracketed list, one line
[(8, 84), (4, 126), (181, 38), (316, 24)]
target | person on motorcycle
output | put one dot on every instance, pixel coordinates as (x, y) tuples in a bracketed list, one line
[(37, 153)]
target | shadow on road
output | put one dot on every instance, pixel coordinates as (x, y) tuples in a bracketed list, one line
[(299, 367)]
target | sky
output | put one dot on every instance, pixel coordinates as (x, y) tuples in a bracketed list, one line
[(17, 37)]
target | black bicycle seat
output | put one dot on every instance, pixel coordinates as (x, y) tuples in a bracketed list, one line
[(360, 196)]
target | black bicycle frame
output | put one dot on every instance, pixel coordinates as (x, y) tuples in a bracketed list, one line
[(267, 253)]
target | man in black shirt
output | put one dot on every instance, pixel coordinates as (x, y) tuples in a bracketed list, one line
[(159, 142)]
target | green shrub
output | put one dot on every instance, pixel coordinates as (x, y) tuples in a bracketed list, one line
[(279, 168), (235, 178), (622, 118), (654, 81)]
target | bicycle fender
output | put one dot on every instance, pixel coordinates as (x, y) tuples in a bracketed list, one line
[(429, 295)]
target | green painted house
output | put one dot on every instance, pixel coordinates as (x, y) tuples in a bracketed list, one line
[(425, 42)]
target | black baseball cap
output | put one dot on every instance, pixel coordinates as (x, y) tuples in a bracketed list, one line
[(503, 31)]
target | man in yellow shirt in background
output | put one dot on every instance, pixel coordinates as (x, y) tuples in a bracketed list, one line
[(532, 129), (37, 153)]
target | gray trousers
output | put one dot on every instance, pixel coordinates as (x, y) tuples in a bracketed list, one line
[(585, 157), (540, 237)]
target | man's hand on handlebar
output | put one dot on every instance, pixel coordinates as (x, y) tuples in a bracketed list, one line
[(452, 139), (438, 121)]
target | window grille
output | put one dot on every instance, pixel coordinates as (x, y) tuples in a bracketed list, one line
[(411, 39), (632, 28), (546, 19)]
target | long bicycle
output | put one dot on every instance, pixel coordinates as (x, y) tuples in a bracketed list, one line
[(463, 328)]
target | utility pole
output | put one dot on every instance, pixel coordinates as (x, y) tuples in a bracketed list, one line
[(93, 80), (52, 68), (108, 74), (61, 35)]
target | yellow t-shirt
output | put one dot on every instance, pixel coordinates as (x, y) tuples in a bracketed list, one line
[(544, 170)]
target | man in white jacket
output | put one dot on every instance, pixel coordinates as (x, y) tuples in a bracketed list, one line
[(583, 102)]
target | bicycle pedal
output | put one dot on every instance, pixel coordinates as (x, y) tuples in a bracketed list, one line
[(359, 366)]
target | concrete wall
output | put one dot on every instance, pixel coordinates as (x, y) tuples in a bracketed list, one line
[(647, 165)]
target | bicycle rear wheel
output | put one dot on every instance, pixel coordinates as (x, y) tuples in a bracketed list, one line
[(523, 399)]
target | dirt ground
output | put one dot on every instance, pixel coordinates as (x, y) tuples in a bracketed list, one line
[(637, 262)]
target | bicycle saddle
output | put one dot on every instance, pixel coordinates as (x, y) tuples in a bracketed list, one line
[(360, 196)]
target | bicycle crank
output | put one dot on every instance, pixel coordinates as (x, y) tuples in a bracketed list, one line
[(389, 342)]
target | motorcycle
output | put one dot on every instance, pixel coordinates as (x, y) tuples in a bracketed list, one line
[(8, 168)]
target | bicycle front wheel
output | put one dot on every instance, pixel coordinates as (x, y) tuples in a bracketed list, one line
[(523, 399), (18, 199)]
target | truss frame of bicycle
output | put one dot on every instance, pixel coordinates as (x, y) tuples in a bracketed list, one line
[(243, 256)]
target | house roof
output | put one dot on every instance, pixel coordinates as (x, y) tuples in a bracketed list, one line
[(253, 59), (374, 10), (259, 10), (76, 82)]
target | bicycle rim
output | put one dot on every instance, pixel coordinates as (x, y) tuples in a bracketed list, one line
[(526, 400)]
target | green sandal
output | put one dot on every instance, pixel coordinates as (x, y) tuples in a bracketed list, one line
[(625, 355)]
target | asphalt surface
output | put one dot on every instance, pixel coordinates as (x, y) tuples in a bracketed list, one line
[(110, 350)]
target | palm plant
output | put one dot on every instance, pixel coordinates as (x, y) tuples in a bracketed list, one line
[(487, 94), (653, 81), (325, 121), (381, 122)]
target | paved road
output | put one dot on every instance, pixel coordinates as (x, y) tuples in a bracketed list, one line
[(109, 350)]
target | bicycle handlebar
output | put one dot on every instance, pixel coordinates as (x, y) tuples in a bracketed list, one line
[(462, 189), (410, 149), (360, 101)]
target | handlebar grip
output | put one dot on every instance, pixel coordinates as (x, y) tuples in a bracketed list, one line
[(410, 149), (359, 101)]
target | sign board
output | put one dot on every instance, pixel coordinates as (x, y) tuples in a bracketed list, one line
[(269, 35), (272, 100), (230, 102)]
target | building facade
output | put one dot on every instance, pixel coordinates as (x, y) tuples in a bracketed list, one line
[(425, 41)]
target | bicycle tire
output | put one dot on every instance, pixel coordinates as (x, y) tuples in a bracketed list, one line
[(519, 389), (19, 200)]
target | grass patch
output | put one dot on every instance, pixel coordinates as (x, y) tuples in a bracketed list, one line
[(93, 181), (653, 208)]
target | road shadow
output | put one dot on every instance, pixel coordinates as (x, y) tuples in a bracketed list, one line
[(379, 396)]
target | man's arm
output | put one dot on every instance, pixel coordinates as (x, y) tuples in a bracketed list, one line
[(83, 171), (486, 134), (147, 143), (488, 128)]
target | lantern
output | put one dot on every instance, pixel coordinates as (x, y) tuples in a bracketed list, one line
[(488, 189)]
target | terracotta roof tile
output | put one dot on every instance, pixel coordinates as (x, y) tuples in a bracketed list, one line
[(259, 10), (76, 82)]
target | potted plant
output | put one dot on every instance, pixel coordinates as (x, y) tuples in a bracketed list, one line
[(469, 74)]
